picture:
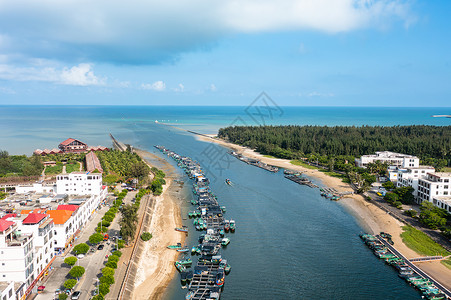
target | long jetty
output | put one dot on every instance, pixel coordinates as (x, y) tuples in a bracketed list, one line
[(118, 145), (207, 278), (254, 162)]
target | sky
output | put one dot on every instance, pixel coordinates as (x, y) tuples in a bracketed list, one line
[(208, 52)]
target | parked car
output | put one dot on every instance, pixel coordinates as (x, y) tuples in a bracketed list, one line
[(75, 295), (80, 256), (100, 247)]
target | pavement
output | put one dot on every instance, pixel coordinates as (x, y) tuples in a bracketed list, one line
[(93, 262)]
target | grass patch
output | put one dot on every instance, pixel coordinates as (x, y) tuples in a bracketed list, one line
[(447, 262), (446, 169), (301, 163), (421, 243), (50, 170), (269, 156), (72, 168), (343, 178)]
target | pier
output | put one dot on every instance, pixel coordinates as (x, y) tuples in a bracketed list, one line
[(207, 278), (118, 145), (254, 162)]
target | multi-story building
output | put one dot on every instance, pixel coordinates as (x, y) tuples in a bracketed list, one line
[(391, 158), (7, 291), (79, 183), (17, 258), (442, 202), (434, 185), (72, 145), (410, 177), (63, 229)]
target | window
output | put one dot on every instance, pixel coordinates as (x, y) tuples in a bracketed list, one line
[(10, 293)]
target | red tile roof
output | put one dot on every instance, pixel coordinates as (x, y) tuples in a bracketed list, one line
[(70, 207), (67, 142), (33, 218), (60, 216), (5, 225), (9, 216), (93, 163)]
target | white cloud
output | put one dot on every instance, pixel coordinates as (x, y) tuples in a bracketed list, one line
[(179, 88), (81, 75), (156, 86), (138, 31), (213, 88)]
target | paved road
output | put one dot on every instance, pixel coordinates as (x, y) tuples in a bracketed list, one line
[(93, 262), (414, 267)]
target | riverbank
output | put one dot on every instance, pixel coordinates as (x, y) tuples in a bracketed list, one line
[(156, 267), (369, 216)]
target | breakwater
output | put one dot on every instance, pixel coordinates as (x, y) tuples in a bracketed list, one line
[(206, 279)]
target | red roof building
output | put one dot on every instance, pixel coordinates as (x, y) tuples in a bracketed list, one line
[(72, 145), (5, 225), (70, 207), (9, 216), (33, 218)]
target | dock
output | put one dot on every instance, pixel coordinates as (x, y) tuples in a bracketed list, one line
[(118, 145), (299, 179), (254, 162), (208, 274)]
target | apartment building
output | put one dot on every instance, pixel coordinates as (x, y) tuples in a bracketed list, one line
[(391, 158)]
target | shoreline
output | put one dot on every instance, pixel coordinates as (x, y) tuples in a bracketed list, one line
[(367, 215), (155, 266)]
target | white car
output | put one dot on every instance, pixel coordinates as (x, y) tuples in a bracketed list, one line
[(80, 256)]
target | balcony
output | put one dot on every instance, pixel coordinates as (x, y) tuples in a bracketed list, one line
[(18, 240)]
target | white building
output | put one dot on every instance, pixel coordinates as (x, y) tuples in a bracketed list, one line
[(17, 259), (79, 183), (35, 188), (442, 202), (7, 291), (391, 158), (435, 184), (410, 177)]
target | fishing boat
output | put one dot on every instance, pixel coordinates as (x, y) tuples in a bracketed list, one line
[(226, 225), (185, 262), (183, 250), (225, 241), (189, 275), (182, 229), (225, 266), (228, 181), (219, 278), (178, 246), (232, 225), (221, 232), (181, 268), (193, 250), (189, 295), (183, 277), (223, 208)]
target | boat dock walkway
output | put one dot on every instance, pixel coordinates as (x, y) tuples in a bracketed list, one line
[(427, 258), (118, 145), (254, 162), (414, 267)]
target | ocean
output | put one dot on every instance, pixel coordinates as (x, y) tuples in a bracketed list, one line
[(290, 242)]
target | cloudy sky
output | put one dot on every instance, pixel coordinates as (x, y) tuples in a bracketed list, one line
[(208, 52)]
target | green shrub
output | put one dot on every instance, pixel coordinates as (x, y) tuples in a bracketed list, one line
[(77, 271), (107, 271), (81, 249), (113, 258), (117, 253), (145, 236), (111, 264), (108, 279), (104, 288), (62, 296), (121, 244)]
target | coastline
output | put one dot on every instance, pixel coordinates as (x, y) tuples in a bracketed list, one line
[(368, 215), (155, 266)]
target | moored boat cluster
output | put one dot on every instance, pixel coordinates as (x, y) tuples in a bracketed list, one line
[(206, 279), (424, 285)]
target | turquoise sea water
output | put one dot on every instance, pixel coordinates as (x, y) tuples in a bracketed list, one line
[(290, 242)]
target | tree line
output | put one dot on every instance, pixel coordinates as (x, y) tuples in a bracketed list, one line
[(432, 143)]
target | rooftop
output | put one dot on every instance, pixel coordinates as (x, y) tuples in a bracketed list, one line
[(5, 225), (60, 216), (33, 218)]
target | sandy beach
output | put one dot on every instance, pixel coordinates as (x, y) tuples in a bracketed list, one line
[(156, 265), (369, 216)]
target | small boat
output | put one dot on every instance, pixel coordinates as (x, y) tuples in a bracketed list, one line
[(223, 208), (225, 241), (183, 277), (183, 250), (182, 229), (228, 181), (185, 262), (189, 275), (220, 278), (193, 250), (221, 232), (226, 225), (232, 225), (178, 246), (227, 269), (190, 295), (190, 214)]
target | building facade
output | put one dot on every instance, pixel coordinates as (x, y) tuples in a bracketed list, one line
[(434, 185), (410, 177), (78, 183), (72, 146), (391, 158)]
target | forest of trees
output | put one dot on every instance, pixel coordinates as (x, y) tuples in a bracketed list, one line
[(19, 165), (431, 143), (124, 164)]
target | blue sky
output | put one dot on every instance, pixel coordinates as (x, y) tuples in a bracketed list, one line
[(300, 52)]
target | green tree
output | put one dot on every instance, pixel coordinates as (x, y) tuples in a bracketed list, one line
[(388, 185), (111, 264), (113, 258), (62, 296), (411, 212), (97, 297), (96, 238), (108, 279), (77, 271), (81, 249), (70, 260), (117, 253), (104, 289), (391, 197), (128, 221), (139, 170), (108, 271), (70, 283), (405, 194)]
